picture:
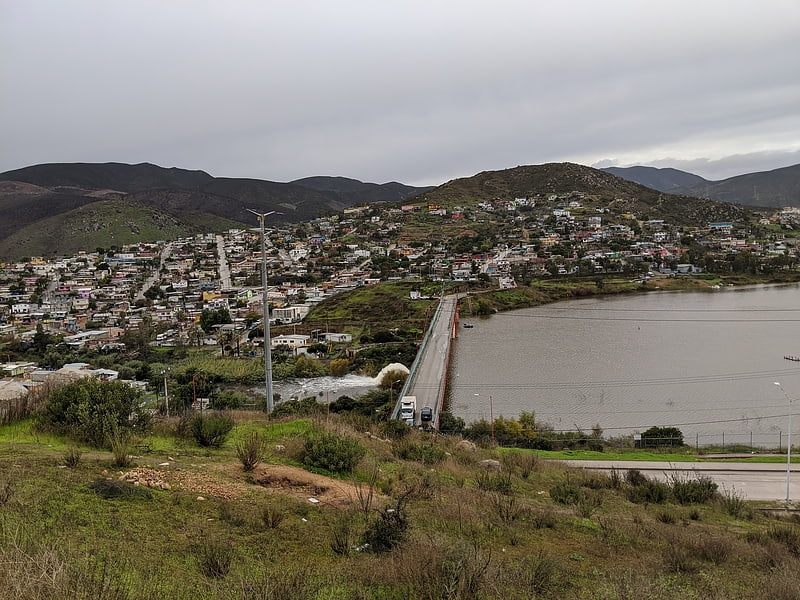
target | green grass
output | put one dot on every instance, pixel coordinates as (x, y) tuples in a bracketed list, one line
[(476, 534)]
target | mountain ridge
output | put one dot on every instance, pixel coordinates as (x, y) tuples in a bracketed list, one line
[(172, 202), (774, 188)]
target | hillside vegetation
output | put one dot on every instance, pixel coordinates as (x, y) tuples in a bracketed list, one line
[(39, 200), (417, 517)]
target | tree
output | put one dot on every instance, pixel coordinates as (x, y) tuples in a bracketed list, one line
[(209, 318), (662, 436), (94, 411)]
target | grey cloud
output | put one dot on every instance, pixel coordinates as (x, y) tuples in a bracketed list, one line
[(413, 91)]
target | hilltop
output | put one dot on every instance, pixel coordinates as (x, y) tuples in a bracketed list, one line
[(596, 187)]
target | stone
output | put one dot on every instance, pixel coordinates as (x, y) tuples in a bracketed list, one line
[(490, 464), (465, 446)]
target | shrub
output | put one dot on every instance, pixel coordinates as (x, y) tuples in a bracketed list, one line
[(540, 574), (788, 536), (215, 558), (426, 453), (495, 482), (72, 457), (565, 492), (667, 517), (395, 429), (692, 491), (227, 400), (342, 534), (388, 531), (250, 450), (635, 477), (332, 452), (543, 518), (92, 410), (735, 505), (120, 448), (523, 463), (662, 436), (115, 488), (272, 516), (653, 492), (211, 430)]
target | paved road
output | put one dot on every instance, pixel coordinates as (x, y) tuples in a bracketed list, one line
[(755, 481), (224, 270), (428, 381), (156, 274)]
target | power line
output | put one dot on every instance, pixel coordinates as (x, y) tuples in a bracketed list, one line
[(645, 320)]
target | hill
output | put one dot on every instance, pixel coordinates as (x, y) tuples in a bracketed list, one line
[(663, 180), (37, 204), (599, 188), (108, 176), (345, 187), (776, 188)]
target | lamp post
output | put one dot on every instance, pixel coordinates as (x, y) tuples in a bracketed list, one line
[(166, 395), (267, 346), (788, 443)]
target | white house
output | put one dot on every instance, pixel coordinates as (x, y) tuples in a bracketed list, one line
[(290, 341)]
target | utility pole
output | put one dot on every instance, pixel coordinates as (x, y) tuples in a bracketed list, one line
[(166, 394), (267, 345), (788, 444)]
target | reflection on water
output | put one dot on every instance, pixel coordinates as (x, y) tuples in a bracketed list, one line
[(705, 362)]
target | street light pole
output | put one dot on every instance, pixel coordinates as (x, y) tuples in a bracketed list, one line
[(166, 394), (788, 443), (267, 345)]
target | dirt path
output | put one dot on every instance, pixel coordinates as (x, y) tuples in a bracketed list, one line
[(229, 481)]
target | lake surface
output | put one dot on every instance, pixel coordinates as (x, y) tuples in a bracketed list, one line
[(703, 362)]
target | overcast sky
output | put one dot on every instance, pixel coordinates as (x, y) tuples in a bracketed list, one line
[(400, 90)]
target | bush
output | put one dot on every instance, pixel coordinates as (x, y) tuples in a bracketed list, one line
[(93, 410), (662, 436), (72, 457), (565, 492), (211, 430), (735, 505), (388, 531), (653, 492), (426, 453), (215, 559), (227, 401), (120, 448), (115, 488), (692, 491), (635, 477), (332, 452), (250, 450)]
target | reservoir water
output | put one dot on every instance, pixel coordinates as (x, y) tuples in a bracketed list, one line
[(705, 362)]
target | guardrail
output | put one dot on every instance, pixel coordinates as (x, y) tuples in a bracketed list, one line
[(412, 372)]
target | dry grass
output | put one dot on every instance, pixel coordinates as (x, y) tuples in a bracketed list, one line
[(471, 533)]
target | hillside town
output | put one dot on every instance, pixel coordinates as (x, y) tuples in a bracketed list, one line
[(207, 290)]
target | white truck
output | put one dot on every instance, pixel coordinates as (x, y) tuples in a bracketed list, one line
[(408, 409)]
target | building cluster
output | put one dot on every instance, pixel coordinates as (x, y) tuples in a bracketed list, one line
[(92, 299)]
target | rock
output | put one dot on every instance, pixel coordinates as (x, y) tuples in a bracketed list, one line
[(280, 448), (490, 464), (465, 446), (200, 498)]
